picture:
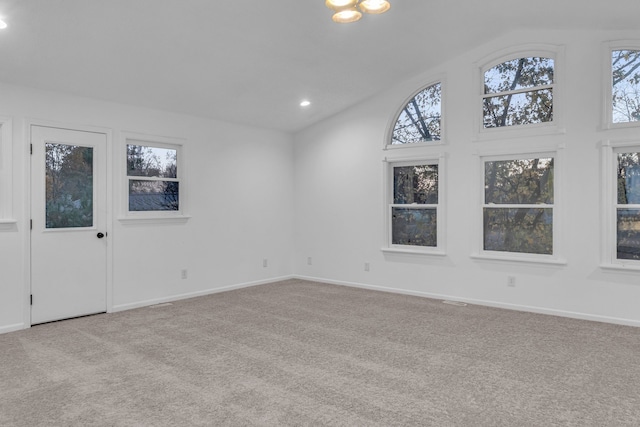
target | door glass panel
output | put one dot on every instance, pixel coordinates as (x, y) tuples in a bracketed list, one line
[(69, 186)]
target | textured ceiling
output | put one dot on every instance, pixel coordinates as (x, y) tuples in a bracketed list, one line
[(252, 61)]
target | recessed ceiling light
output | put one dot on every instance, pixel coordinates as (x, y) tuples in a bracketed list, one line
[(3, 24), (305, 103)]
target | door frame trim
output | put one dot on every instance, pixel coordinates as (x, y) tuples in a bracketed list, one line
[(108, 132)]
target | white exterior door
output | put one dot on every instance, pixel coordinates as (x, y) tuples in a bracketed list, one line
[(68, 235)]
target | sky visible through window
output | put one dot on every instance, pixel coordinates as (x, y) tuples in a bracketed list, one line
[(625, 70)]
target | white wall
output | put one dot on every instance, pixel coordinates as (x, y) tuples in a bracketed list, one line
[(248, 186), (339, 194), (239, 183)]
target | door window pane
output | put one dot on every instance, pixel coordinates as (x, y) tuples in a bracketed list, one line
[(68, 186)]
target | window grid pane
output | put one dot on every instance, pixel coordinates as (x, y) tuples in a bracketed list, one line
[(420, 119), (521, 230), (628, 234), (153, 195), (518, 92), (414, 227), (628, 178), (415, 184), (625, 71), (519, 73), (520, 181), (518, 109), (150, 161)]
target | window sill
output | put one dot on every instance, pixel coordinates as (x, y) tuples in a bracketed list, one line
[(408, 251), (621, 267), (533, 130), (176, 219), (621, 125), (8, 224), (523, 260), (426, 144)]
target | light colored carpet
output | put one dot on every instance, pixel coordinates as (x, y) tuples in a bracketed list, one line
[(302, 353)]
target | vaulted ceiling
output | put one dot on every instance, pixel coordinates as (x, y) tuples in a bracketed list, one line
[(253, 61)]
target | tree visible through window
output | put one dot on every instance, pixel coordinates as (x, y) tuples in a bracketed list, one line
[(628, 206), (518, 205), (625, 67), (519, 91), (152, 174), (68, 186), (419, 120), (414, 211)]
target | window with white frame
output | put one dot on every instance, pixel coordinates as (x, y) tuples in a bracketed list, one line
[(518, 205), (154, 184), (414, 208), (627, 206), (625, 85), (518, 92), (420, 120)]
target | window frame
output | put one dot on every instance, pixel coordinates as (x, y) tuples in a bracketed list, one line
[(178, 144), (607, 103), (438, 159), (555, 52), (7, 222), (609, 192), (554, 151), (394, 119)]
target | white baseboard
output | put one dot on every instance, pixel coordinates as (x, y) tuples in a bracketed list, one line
[(507, 306), (12, 328), (146, 303)]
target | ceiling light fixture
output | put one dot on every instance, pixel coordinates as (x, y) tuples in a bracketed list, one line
[(305, 103), (3, 24), (345, 11)]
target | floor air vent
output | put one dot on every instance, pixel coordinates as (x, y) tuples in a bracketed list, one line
[(164, 304)]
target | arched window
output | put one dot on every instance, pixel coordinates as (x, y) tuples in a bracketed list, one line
[(420, 119), (518, 92)]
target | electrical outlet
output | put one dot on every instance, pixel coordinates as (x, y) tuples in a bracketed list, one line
[(265, 263), (183, 273), (511, 281), (309, 261), (366, 266)]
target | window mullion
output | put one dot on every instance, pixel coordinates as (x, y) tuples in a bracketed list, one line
[(517, 91), (518, 206), (151, 178)]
